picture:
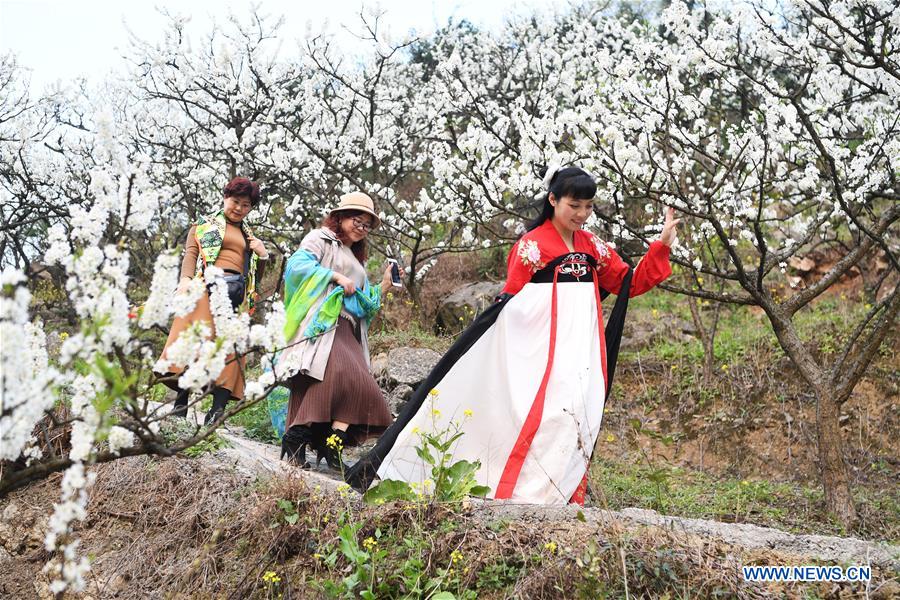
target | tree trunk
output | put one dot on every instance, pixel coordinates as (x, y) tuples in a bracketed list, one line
[(833, 469), (706, 338)]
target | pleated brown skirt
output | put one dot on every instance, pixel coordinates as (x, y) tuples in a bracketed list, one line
[(348, 393)]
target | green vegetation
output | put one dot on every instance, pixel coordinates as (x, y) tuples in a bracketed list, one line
[(414, 335), (256, 422), (678, 491)]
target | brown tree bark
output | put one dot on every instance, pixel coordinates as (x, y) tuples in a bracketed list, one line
[(835, 480), (833, 469)]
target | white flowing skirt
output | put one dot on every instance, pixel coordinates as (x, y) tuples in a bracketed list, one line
[(498, 380)]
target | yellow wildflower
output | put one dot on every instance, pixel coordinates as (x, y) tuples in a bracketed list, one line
[(334, 441), (436, 413), (468, 412), (550, 547), (64, 336), (433, 392), (610, 438), (370, 544), (456, 556), (271, 577), (415, 430)]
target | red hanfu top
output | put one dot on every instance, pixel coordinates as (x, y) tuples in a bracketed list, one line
[(538, 247)]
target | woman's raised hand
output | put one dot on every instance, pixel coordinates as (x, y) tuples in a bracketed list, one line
[(346, 283), (386, 282), (669, 232), (258, 247)]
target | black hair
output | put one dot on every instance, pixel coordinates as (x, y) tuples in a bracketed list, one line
[(570, 181)]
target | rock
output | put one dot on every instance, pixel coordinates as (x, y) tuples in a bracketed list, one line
[(39, 271), (410, 366), (803, 265), (398, 397), (641, 332), (11, 511), (54, 343), (379, 365), (637, 339), (7, 540), (463, 304), (687, 328), (35, 536)]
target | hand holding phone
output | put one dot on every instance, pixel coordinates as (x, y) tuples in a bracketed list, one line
[(396, 281)]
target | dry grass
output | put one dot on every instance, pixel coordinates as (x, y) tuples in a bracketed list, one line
[(179, 528)]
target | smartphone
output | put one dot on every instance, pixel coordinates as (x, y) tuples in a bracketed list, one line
[(395, 273)]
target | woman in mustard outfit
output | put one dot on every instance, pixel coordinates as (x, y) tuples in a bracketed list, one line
[(225, 241)]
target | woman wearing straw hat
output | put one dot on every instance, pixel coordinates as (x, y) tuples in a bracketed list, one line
[(329, 304)]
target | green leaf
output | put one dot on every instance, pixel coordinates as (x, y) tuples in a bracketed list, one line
[(480, 491), (580, 516), (443, 596), (292, 519), (460, 469), (389, 490), (446, 445), (424, 454)]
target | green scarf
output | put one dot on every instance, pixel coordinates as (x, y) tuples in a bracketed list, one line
[(210, 233)]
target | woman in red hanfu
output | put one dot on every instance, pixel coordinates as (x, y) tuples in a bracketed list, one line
[(529, 378)]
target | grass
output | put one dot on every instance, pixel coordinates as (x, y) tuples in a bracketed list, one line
[(257, 423), (678, 491), (414, 336)]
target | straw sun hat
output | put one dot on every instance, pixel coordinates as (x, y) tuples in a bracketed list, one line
[(357, 201)]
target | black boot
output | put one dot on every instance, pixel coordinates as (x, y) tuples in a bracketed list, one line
[(220, 399), (181, 401), (333, 445), (294, 443)]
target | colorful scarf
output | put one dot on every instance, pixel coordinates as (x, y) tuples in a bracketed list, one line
[(305, 280), (210, 233)]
